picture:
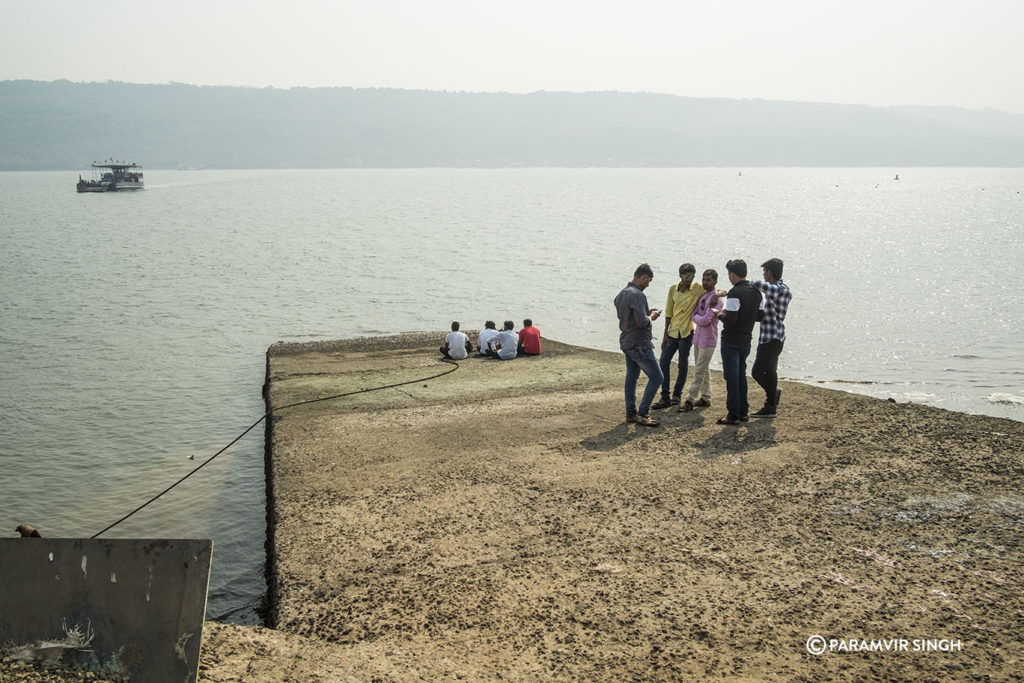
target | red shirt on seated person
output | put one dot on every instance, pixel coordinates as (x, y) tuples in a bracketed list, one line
[(529, 339)]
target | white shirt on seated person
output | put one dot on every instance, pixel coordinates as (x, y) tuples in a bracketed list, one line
[(509, 341), (486, 340), (456, 341)]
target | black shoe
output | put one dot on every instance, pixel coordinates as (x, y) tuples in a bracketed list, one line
[(764, 412)]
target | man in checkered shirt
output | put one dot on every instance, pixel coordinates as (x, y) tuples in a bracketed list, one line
[(773, 335)]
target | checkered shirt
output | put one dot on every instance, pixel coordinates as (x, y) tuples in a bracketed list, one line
[(776, 302)]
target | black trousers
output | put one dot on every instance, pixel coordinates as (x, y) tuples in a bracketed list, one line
[(765, 370)]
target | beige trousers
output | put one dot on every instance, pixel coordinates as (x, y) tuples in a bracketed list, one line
[(701, 383)]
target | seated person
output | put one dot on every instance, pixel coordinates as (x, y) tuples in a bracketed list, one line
[(483, 346), (529, 339), (456, 344), (506, 342)]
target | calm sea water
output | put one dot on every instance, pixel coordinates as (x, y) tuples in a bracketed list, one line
[(133, 326)]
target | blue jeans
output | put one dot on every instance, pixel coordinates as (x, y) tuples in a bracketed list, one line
[(673, 344), (734, 370), (637, 360)]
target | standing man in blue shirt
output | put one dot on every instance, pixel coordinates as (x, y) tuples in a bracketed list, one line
[(773, 334), (636, 342)]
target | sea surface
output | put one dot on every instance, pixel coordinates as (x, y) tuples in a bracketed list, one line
[(134, 326)]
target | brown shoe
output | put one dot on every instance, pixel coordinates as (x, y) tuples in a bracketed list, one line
[(631, 418), (646, 421), (686, 407), (660, 403), (702, 403)]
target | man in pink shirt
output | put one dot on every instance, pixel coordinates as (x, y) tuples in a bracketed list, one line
[(705, 338)]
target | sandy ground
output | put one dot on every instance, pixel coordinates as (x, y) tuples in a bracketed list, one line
[(503, 522)]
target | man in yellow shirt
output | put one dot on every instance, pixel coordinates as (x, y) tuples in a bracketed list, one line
[(678, 337)]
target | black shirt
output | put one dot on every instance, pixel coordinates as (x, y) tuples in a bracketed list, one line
[(741, 310)]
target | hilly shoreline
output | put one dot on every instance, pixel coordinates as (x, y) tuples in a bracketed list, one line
[(62, 125)]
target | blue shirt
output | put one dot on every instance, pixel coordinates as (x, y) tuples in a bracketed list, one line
[(634, 319)]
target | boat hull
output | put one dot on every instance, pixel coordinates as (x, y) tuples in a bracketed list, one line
[(127, 186), (109, 187)]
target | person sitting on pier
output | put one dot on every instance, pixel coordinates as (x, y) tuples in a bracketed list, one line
[(507, 342), (529, 339), (456, 344), (484, 341)]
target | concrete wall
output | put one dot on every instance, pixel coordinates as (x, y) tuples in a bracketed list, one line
[(143, 600)]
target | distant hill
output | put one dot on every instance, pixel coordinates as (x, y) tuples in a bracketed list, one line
[(64, 125)]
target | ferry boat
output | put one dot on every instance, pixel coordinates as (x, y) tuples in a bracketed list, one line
[(112, 176)]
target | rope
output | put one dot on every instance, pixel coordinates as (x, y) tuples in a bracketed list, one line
[(265, 416)]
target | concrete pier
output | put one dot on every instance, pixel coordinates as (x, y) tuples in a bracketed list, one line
[(502, 521)]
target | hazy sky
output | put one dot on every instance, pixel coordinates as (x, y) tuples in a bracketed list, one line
[(967, 53)]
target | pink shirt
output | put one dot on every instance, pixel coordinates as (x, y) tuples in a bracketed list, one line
[(705, 321)]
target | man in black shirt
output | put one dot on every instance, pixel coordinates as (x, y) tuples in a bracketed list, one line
[(741, 312)]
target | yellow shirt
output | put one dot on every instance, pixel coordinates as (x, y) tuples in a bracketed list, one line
[(679, 307)]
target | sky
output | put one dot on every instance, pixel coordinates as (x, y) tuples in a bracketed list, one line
[(964, 53)]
